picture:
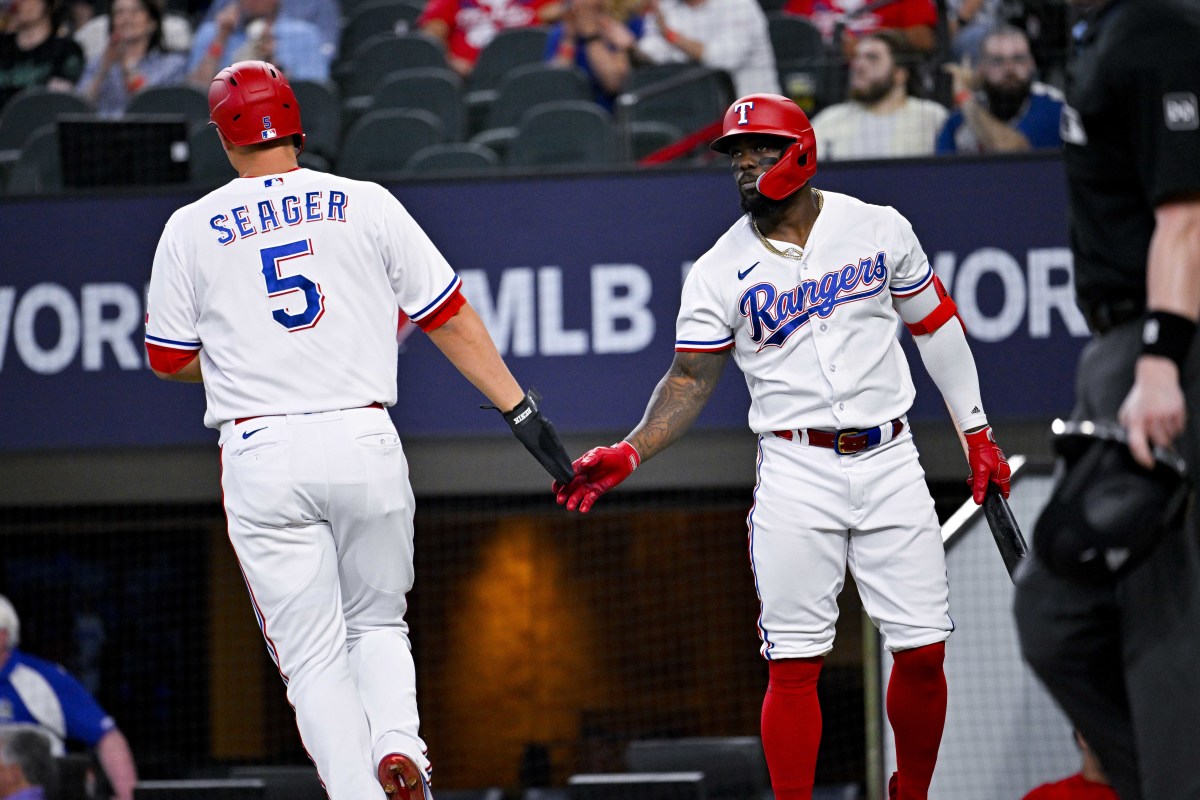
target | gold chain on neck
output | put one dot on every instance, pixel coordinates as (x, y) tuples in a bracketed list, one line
[(794, 252)]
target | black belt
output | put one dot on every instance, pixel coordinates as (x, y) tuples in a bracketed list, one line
[(1103, 317)]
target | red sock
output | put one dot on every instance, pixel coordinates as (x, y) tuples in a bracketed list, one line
[(791, 726), (916, 707)]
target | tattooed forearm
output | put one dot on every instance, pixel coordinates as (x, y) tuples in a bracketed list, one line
[(677, 400)]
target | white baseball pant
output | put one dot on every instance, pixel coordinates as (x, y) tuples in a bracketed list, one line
[(320, 515), (815, 513)]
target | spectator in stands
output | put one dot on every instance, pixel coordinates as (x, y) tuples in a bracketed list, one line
[(724, 34), (325, 15), (26, 766), (882, 118), (95, 35), (40, 696), (591, 37), (31, 54), (468, 26), (134, 59), (915, 20), (970, 21), (1090, 783), (255, 30), (1001, 108)]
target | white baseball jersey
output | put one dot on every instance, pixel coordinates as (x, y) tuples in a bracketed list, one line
[(815, 337), (290, 286)]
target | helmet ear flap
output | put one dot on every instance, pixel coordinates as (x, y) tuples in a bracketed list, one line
[(794, 169)]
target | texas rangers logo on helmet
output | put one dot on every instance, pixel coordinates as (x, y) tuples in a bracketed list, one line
[(742, 109), (775, 315)]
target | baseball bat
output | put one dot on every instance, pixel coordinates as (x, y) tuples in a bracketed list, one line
[(1005, 530), (1006, 533)]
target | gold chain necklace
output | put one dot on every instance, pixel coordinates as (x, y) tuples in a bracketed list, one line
[(794, 252)]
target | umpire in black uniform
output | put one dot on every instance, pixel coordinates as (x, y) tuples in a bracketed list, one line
[(1122, 656)]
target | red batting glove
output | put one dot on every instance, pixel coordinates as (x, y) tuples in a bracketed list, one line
[(597, 471), (987, 464)]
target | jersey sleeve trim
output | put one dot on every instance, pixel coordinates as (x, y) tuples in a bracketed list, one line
[(171, 343), (168, 359), (453, 287), (913, 288), (443, 313), (715, 346)]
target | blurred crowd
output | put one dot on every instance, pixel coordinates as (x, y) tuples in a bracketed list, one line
[(881, 78)]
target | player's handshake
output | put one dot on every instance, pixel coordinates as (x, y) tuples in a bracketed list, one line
[(596, 471)]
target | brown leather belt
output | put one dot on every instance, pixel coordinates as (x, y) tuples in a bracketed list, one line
[(240, 420), (845, 442)]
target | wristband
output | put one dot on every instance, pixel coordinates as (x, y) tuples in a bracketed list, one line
[(134, 83), (961, 97), (671, 36), (630, 452), (566, 50), (215, 49), (1169, 335)]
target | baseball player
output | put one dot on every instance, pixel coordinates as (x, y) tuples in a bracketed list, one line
[(804, 291), (288, 285)]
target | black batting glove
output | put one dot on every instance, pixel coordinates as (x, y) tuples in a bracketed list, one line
[(536, 432)]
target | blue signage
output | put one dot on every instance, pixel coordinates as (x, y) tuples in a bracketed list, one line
[(577, 278)]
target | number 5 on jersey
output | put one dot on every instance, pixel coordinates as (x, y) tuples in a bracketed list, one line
[(277, 285)]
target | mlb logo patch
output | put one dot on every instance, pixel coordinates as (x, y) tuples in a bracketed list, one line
[(1181, 112), (269, 134)]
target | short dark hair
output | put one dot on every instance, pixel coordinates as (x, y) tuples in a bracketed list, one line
[(1003, 29), (903, 55), (30, 751)]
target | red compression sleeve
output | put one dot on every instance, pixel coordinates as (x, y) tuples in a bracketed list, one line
[(791, 726)]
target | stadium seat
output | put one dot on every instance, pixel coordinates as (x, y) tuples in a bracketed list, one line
[(697, 98), (531, 84), (32, 108), (646, 137), (649, 74), (437, 90), (453, 157), (510, 49), (383, 54), (39, 169), (378, 17), (734, 767), (384, 141), (350, 7), (207, 163), (566, 132), (321, 115), (803, 62), (185, 100)]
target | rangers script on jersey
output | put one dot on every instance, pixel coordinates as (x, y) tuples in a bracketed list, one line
[(790, 322)]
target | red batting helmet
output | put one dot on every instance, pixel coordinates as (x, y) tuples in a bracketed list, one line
[(774, 115), (251, 102)]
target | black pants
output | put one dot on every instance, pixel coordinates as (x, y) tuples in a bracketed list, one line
[(1123, 660)]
